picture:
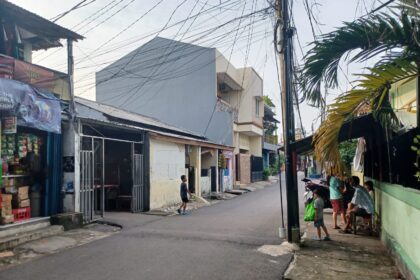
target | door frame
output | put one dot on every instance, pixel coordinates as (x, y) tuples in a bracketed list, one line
[(89, 217)]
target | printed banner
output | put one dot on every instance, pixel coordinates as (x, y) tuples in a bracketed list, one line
[(35, 75), (9, 125), (32, 107)]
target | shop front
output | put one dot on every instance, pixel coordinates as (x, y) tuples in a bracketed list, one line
[(121, 161), (30, 153), (111, 171)]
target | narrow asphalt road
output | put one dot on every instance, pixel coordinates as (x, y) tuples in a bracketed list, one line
[(216, 242)]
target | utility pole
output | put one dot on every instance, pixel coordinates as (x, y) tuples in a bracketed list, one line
[(285, 44), (70, 72)]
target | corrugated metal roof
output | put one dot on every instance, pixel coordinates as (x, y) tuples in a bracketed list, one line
[(100, 113), (47, 30), (93, 110)]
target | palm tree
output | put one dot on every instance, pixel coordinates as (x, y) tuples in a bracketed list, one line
[(391, 38)]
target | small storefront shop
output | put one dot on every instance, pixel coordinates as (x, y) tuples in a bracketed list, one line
[(30, 153), (121, 161), (111, 170)]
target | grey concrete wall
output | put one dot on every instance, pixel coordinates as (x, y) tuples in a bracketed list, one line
[(170, 81)]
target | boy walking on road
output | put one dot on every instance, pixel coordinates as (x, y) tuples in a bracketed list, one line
[(184, 191), (319, 216)]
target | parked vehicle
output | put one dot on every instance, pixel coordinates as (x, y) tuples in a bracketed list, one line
[(324, 192)]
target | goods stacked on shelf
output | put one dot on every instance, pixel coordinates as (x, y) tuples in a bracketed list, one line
[(8, 145), (17, 155), (6, 209), (21, 198), (16, 147)]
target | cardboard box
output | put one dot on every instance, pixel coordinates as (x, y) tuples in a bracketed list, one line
[(20, 196), (6, 207), (6, 198), (7, 219), (24, 203), (7, 204), (5, 212), (10, 189), (23, 190)]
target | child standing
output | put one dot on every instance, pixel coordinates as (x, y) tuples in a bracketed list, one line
[(319, 216), (184, 191)]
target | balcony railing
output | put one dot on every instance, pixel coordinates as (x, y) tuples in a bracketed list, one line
[(272, 139), (35, 75)]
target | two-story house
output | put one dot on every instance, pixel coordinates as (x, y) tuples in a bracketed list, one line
[(271, 144), (194, 88), (242, 89)]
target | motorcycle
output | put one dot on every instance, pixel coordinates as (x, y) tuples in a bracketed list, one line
[(324, 191)]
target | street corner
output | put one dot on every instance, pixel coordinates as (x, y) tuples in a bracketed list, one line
[(92, 232), (249, 188), (230, 193), (344, 257), (55, 243), (171, 210), (48, 245), (279, 250)]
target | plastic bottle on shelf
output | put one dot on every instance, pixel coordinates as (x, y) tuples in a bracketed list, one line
[(5, 166)]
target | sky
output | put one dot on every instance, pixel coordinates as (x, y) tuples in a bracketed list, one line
[(113, 28)]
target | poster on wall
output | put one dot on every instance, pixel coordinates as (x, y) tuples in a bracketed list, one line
[(9, 125), (68, 164), (32, 107)]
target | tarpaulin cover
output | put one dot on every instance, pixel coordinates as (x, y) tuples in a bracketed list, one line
[(33, 107)]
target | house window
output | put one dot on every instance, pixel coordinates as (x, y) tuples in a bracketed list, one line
[(257, 107)]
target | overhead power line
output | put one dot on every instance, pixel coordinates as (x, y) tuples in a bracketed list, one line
[(231, 21), (94, 52), (39, 56), (77, 6), (381, 6)]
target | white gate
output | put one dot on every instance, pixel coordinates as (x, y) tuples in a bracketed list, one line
[(87, 180), (137, 203)]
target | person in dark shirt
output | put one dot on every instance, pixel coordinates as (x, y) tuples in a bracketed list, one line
[(348, 192), (184, 191)]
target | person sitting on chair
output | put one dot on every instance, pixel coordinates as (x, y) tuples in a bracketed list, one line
[(361, 205)]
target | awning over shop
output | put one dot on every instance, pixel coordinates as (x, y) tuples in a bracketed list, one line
[(32, 107), (355, 128), (42, 33)]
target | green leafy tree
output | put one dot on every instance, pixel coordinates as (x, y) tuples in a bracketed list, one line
[(347, 151), (394, 39), (268, 101), (416, 148)]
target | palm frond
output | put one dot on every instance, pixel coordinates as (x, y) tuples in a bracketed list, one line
[(358, 41), (411, 7), (372, 88)]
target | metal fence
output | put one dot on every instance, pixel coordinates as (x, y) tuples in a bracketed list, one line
[(257, 168), (256, 176)]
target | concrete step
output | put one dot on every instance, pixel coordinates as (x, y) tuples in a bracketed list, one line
[(11, 241), (248, 189), (237, 192), (24, 226)]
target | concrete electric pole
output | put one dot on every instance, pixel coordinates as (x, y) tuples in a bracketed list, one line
[(284, 46)]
